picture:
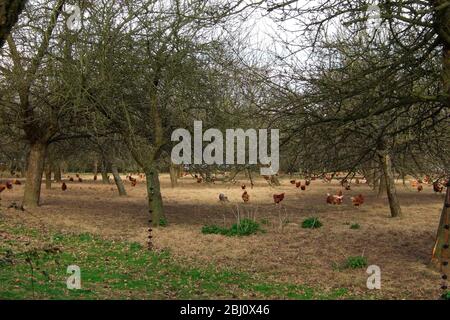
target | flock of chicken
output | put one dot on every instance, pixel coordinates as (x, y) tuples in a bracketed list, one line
[(336, 199), (277, 198), (438, 185)]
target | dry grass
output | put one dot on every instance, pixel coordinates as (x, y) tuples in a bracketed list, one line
[(400, 246)]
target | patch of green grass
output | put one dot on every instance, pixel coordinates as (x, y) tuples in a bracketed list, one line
[(163, 222), (311, 223), (135, 246), (85, 237), (213, 229), (446, 296), (355, 226), (245, 227), (36, 268), (355, 262)]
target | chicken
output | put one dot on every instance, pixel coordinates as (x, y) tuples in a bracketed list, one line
[(70, 179), (245, 196), (243, 186), (64, 186), (303, 187), (358, 200), (77, 175), (2, 188), (335, 199), (298, 184), (414, 183), (9, 185), (134, 183), (419, 188), (95, 178), (438, 187), (80, 180), (199, 180), (223, 198), (17, 182), (277, 198), (347, 187), (293, 181), (307, 182)]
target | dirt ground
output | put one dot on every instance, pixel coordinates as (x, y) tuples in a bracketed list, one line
[(401, 247)]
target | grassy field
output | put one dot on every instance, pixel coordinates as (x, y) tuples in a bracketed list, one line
[(33, 265), (199, 254)]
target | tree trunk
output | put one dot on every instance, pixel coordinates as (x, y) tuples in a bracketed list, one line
[(375, 178), (249, 172), (274, 181), (442, 236), (48, 177), (381, 185), (35, 168), (57, 172), (439, 252), (390, 184), (155, 202), (95, 167), (118, 180), (105, 178), (173, 170)]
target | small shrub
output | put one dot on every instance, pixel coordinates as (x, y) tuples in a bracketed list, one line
[(311, 223), (355, 226), (163, 222), (356, 262), (246, 227)]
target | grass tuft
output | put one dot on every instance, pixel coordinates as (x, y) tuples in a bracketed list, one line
[(311, 223), (246, 227)]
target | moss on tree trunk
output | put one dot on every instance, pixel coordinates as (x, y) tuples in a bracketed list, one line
[(35, 168)]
